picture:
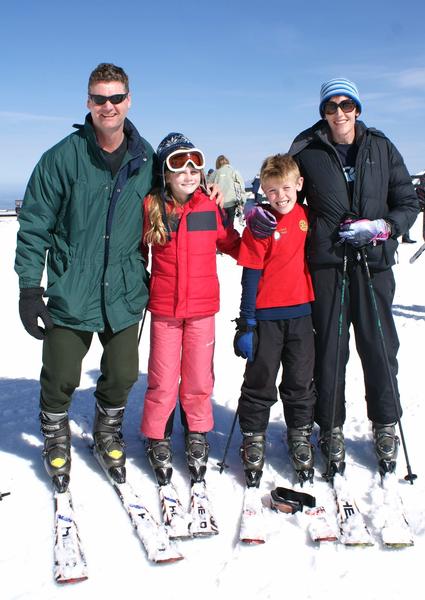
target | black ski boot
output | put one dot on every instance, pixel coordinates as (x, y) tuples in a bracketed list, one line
[(197, 449), (57, 448), (160, 457), (386, 446), (252, 454), (108, 441), (301, 452), (333, 442)]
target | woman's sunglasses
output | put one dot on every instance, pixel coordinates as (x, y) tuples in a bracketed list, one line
[(347, 106)]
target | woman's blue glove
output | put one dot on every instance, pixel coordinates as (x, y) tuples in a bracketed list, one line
[(246, 339)]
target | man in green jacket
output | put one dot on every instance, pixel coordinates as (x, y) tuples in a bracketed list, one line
[(83, 209)]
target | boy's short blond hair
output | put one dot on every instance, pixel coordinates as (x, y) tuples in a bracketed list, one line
[(279, 166)]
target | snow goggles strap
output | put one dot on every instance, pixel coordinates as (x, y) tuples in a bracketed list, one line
[(289, 501), (179, 159)]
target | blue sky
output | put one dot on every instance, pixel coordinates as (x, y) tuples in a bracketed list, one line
[(239, 78)]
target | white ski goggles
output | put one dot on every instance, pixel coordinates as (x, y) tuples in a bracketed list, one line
[(178, 160)]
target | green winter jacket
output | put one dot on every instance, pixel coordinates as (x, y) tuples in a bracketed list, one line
[(90, 226)]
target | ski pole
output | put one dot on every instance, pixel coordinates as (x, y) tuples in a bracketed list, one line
[(329, 470), (141, 327), (222, 463), (410, 476)]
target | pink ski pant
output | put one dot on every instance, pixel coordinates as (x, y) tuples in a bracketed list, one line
[(180, 365)]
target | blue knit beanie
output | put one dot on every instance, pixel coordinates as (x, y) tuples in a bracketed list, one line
[(172, 141), (339, 87)]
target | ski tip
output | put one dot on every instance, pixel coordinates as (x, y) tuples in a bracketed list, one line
[(253, 541), (399, 545), (167, 561), (204, 534), (63, 580)]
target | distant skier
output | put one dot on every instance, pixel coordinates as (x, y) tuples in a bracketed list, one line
[(274, 329), (350, 168), (183, 228), (231, 184)]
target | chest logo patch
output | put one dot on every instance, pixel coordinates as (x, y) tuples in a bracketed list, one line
[(303, 225)]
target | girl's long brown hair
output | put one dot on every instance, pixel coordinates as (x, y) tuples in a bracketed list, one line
[(157, 232)]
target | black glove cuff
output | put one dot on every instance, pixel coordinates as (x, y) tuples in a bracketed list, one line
[(31, 292), (242, 325)]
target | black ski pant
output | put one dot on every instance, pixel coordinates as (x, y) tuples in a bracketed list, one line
[(63, 353), (358, 311), (288, 343)]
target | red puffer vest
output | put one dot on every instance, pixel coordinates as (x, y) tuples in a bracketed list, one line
[(184, 280)]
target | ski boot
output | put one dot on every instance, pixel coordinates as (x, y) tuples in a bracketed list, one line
[(57, 448), (160, 458), (386, 446), (252, 454), (197, 449), (333, 447), (301, 452), (108, 441)]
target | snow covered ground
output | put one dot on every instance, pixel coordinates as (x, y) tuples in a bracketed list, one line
[(288, 565)]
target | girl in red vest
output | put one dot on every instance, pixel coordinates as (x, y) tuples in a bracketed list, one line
[(184, 228)]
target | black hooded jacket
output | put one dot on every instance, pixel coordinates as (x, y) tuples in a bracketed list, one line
[(382, 189)]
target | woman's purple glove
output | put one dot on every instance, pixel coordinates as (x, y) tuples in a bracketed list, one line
[(260, 222), (362, 232)]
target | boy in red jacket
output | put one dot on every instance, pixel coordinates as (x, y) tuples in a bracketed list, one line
[(275, 327)]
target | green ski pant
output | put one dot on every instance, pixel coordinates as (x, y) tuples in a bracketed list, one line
[(63, 353)]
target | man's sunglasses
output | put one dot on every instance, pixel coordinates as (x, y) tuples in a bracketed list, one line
[(347, 106), (114, 99), (178, 160)]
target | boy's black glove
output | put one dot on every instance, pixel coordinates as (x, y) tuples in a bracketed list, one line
[(246, 338), (31, 306)]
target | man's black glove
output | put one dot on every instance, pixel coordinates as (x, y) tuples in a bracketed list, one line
[(31, 306), (246, 339)]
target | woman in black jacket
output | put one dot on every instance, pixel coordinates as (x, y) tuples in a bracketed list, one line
[(359, 195)]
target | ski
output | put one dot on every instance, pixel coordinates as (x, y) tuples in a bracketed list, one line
[(177, 520), (70, 564), (203, 522), (417, 254), (352, 526), (320, 527), (252, 519), (153, 536), (396, 532)]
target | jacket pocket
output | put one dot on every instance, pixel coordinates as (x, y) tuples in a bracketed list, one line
[(69, 294)]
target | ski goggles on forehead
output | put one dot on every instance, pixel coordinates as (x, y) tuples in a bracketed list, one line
[(179, 159), (347, 106), (114, 99)]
